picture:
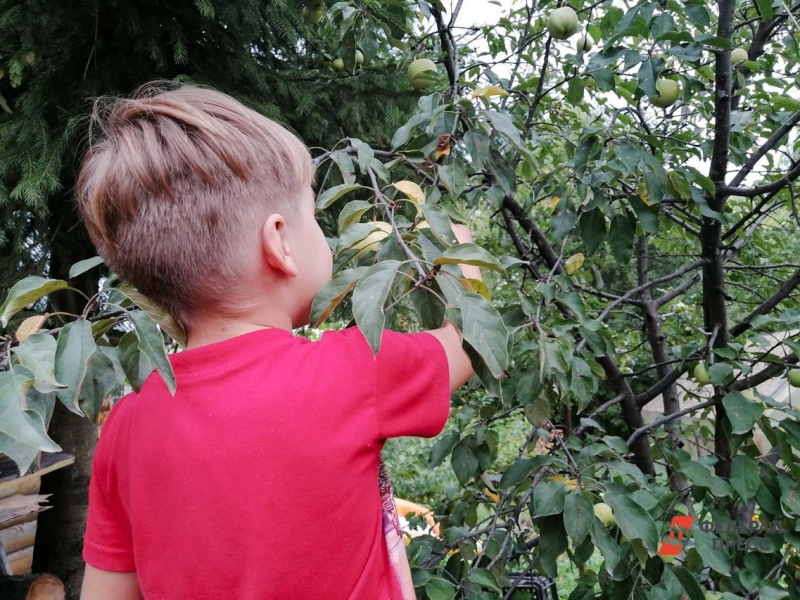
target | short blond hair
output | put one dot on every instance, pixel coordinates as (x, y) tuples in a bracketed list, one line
[(175, 186)]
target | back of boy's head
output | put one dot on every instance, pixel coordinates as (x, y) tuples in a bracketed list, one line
[(174, 188)]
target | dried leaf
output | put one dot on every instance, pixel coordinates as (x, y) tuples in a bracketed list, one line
[(30, 326)]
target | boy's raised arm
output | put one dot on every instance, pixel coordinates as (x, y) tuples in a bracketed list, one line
[(460, 366)]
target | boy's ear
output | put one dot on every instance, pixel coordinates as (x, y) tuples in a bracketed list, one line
[(275, 246)]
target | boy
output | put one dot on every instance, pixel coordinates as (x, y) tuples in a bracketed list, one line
[(258, 479)]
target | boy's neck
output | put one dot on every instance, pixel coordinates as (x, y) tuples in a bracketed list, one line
[(210, 331)]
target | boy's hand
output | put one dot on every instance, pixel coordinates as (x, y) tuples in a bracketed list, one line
[(464, 236), (459, 364)]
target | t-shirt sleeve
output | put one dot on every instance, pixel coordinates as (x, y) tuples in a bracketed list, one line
[(412, 394), (108, 543)]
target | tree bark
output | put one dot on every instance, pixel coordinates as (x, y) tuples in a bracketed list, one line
[(714, 300)]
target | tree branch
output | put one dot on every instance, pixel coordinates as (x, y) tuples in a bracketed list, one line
[(668, 419), (773, 140), (767, 188), (787, 288)]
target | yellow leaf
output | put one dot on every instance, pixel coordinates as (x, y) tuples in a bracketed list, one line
[(570, 483), (553, 203), (477, 286), (30, 326), (412, 190), (574, 262), (644, 194), (491, 495), (489, 90)]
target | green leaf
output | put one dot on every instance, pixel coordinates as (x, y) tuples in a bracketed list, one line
[(552, 542), (538, 412), (331, 195), (712, 551), (548, 498), (608, 547), (465, 458), (485, 578), (454, 178), (621, 235), (440, 589), (469, 254), (15, 420), (503, 123), (689, 583), (442, 448), (634, 521), (579, 514), (100, 380), (37, 353), (352, 212), (575, 91), (82, 266), (485, 331), (593, 229), (73, 351), (151, 343), (369, 298), (648, 74), (702, 476), (521, 469), (26, 292), (333, 292), (745, 476), (136, 366), (742, 412)]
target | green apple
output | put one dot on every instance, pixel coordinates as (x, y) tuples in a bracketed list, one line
[(794, 377), (338, 65), (606, 515), (712, 596), (585, 43), (738, 55), (701, 374), (359, 57), (422, 73), (668, 93), (563, 23)]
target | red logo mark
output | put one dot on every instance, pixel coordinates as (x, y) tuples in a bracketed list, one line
[(677, 527)]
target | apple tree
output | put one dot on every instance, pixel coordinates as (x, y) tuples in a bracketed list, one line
[(630, 169)]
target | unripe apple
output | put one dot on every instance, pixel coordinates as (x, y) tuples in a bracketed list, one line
[(563, 23), (422, 73), (585, 43), (606, 515), (794, 377), (701, 374), (738, 55), (359, 57), (668, 93), (338, 65)]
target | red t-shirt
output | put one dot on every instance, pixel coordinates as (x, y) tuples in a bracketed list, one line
[(259, 478)]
